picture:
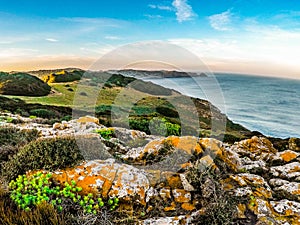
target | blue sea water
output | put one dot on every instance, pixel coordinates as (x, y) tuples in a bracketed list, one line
[(268, 105)]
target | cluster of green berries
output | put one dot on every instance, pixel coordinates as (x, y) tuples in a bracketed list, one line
[(31, 190)]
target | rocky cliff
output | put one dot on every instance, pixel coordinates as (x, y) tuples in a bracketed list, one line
[(181, 180)]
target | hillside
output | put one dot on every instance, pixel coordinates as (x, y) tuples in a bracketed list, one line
[(143, 101), (22, 84)]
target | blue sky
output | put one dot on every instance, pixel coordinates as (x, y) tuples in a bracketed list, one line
[(245, 36)]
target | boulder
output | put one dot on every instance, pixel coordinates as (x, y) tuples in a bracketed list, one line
[(294, 144)]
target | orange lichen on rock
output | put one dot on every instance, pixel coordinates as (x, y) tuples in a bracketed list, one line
[(188, 206), (257, 145), (108, 178), (188, 144), (88, 119), (212, 145), (172, 179), (172, 207), (241, 209), (181, 195), (288, 155), (165, 193)]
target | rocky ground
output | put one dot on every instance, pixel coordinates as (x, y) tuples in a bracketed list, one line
[(182, 180)]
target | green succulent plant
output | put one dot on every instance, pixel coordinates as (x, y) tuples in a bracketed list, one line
[(28, 191)]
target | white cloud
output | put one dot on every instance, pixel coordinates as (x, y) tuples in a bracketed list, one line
[(161, 7), (9, 53), (51, 40), (221, 21), (153, 16), (184, 11), (113, 38)]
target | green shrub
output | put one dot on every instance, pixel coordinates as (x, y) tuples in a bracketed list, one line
[(66, 118), (49, 154), (11, 139), (43, 113), (140, 124), (164, 128), (100, 109)]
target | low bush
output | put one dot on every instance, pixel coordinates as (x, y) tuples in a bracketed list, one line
[(43, 113), (11, 139), (155, 126), (15, 136), (48, 154), (220, 206), (43, 214)]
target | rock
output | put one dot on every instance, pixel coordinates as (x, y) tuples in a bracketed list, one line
[(255, 167), (109, 178), (178, 220), (158, 149), (186, 185), (215, 149), (286, 207), (288, 155), (88, 119), (57, 126), (257, 184), (255, 148), (261, 208), (291, 190), (277, 182), (181, 195), (287, 171), (294, 144)]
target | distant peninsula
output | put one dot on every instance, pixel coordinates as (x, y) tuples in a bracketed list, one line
[(156, 73)]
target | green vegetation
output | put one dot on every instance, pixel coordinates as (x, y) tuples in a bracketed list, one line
[(43, 113), (49, 154), (41, 215), (63, 76), (106, 133), (18, 106), (155, 126), (160, 126), (28, 191), (22, 84), (6, 119), (12, 139), (154, 101)]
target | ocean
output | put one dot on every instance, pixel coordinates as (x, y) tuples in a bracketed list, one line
[(265, 104)]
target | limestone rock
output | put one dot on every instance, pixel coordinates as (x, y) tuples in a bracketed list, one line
[(294, 144), (257, 184), (288, 155), (88, 119), (108, 178), (255, 148), (287, 171)]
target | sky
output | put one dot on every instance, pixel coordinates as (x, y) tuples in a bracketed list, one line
[(240, 36)]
